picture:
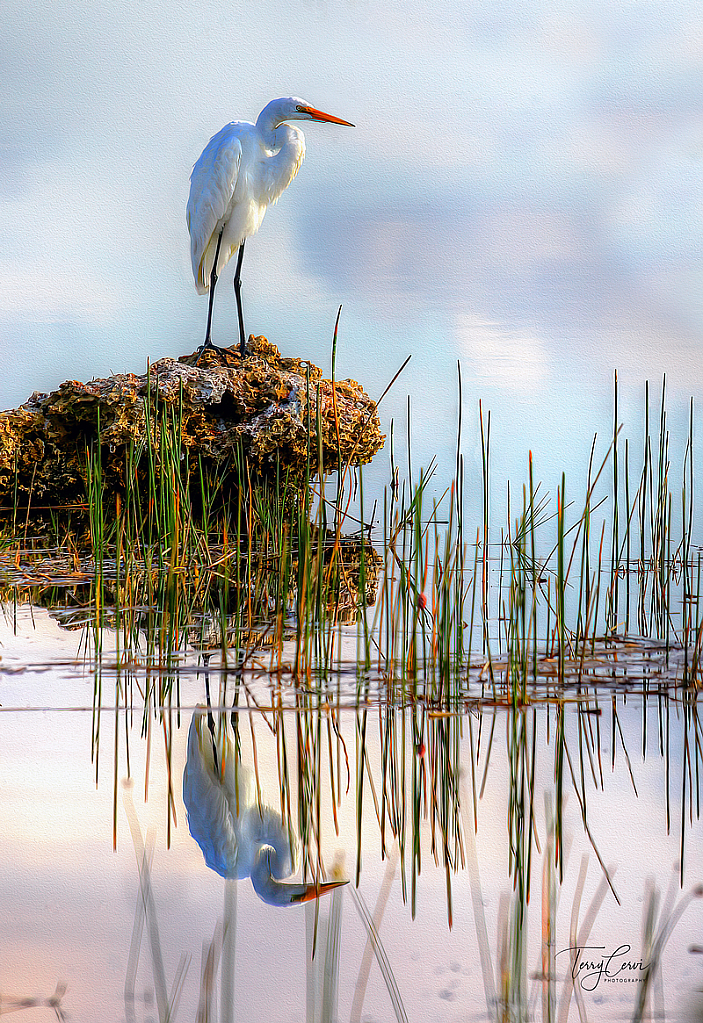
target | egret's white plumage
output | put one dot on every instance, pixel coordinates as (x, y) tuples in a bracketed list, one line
[(239, 837), (243, 169)]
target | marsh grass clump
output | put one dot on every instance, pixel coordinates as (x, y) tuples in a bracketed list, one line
[(230, 558), (569, 588)]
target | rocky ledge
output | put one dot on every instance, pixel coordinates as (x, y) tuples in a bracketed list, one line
[(261, 406)]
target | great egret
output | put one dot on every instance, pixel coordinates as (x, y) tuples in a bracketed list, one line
[(238, 837), (241, 170)]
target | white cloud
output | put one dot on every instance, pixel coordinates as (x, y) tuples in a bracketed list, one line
[(510, 359)]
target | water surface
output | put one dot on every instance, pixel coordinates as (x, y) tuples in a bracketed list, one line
[(71, 900)]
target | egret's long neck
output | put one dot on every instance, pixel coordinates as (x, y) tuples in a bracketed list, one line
[(287, 146)]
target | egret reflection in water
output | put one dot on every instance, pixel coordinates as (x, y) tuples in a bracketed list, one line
[(239, 836)]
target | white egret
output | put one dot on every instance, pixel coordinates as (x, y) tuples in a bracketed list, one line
[(238, 837), (241, 170)]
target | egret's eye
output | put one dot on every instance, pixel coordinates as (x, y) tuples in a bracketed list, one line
[(299, 109)]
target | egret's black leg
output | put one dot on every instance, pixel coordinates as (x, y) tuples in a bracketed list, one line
[(210, 719), (238, 296), (213, 282)]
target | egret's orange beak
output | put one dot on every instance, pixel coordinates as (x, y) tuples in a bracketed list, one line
[(318, 115), (314, 891)]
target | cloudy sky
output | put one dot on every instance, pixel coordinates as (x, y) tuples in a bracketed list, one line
[(522, 192)]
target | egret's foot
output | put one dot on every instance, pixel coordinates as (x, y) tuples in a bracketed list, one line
[(208, 346)]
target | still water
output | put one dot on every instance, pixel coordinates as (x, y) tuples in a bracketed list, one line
[(456, 815)]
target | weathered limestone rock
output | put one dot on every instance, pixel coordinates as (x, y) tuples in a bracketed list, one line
[(267, 407)]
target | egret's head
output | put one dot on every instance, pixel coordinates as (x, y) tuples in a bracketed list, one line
[(292, 108)]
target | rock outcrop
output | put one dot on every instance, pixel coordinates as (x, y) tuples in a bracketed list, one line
[(263, 407)]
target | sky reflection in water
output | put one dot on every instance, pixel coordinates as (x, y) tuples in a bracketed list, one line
[(69, 901)]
